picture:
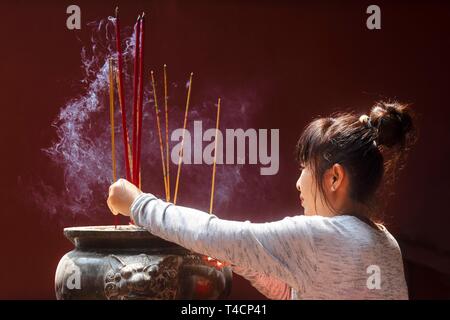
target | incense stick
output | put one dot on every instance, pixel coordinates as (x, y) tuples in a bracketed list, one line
[(120, 102), (215, 158), (180, 157), (111, 115), (137, 30), (111, 110), (121, 97), (140, 102), (167, 133), (159, 133)]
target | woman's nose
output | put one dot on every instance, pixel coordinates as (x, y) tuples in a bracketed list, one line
[(297, 184)]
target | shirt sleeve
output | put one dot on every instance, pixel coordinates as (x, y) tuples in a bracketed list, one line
[(281, 249), (269, 286)]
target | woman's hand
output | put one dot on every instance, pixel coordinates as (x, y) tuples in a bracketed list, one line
[(121, 196)]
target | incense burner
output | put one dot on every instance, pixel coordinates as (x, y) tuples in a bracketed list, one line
[(128, 262)]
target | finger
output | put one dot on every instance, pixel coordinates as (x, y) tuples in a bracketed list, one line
[(122, 183), (112, 187), (108, 202), (110, 206)]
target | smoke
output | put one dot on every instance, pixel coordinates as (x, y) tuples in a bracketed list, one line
[(82, 150)]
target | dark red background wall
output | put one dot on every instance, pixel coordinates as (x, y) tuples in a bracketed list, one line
[(303, 59)]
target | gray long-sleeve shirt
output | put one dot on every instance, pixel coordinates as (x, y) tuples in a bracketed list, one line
[(299, 257)]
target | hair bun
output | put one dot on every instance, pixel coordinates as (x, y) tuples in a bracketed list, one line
[(393, 122)]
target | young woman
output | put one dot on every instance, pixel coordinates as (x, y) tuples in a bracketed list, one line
[(335, 250)]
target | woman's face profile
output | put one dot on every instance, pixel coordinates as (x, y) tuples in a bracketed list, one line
[(310, 197), (305, 185)]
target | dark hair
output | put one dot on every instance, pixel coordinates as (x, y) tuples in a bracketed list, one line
[(370, 148)]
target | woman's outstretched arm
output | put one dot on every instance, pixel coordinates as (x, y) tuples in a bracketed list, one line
[(281, 249)]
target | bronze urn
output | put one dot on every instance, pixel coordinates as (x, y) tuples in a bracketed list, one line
[(127, 262)]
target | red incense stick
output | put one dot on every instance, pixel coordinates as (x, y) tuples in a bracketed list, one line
[(121, 97), (135, 100), (140, 103)]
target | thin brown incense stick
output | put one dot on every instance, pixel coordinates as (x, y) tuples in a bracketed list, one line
[(180, 156), (167, 133), (111, 110), (111, 115), (127, 138), (215, 158), (159, 133)]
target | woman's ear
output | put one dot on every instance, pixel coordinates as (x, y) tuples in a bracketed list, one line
[(336, 176)]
